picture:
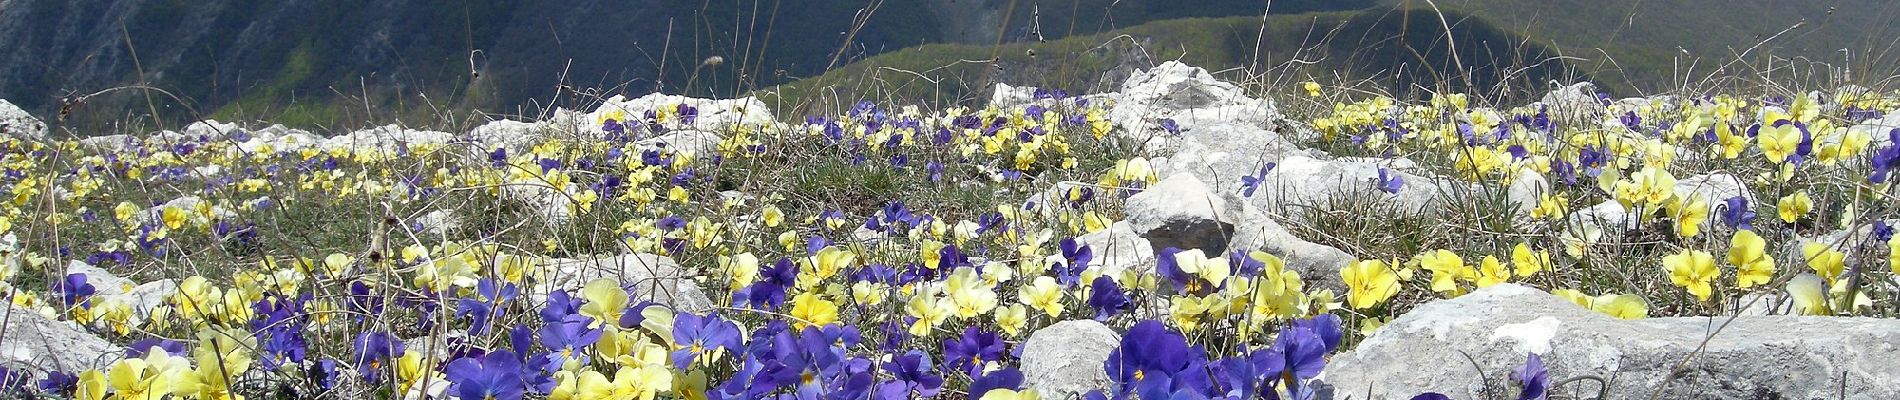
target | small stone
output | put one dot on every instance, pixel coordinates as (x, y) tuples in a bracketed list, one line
[(1066, 360), (1118, 249), (653, 278), (438, 223)]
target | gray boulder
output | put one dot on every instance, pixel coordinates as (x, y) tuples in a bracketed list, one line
[(1206, 148), (118, 142), (1118, 248), (1525, 191), (438, 223), (142, 298), (1878, 129), (35, 341), (1065, 360), (211, 129), (1426, 350), (103, 282), (388, 138), (652, 277), (1181, 212), (1174, 90), (16, 122), (515, 136), (1573, 104), (701, 143), (1004, 95), (1318, 264), (549, 203), (1715, 188), (1300, 181), (279, 138), (712, 113)]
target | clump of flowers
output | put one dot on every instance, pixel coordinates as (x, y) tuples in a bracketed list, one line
[(866, 254)]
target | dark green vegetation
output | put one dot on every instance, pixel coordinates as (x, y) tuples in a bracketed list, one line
[(1650, 45), (1503, 48), (1387, 50), (341, 64), (347, 63)]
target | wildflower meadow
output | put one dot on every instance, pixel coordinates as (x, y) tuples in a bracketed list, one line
[(1145, 242)]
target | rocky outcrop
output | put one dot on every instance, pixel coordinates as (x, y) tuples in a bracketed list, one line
[(1207, 148), (108, 287), (15, 122), (437, 223), (1181, 212), (388, 138), (1454, 346), (32, 340), (709, 114), (1574, 103), (1176, 91), (1318, 264)]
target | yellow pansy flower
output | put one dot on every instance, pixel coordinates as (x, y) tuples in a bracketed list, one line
[(1447, 269), (1826, 262), (810, 310), (605, 301), (1778, 142), (1043, 294), (1692, 270), (1746, 251), (1369, 283), (1792, 207), (1528, 262), (1689, 215)]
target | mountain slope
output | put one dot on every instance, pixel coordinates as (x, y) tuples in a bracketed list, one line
[(313, 62), (1649, 45), (1364, 46)]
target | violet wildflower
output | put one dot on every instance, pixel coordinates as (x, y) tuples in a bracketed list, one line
[(1148, 360), (1076, 256), (698, 335), (1251, 183), (912, 376), (494, 376), (970, 351), (1735, 213), (1533, 378), (74, 291), (567, 337), (486, 306), (1391, 181), (1007, 378), (373, 351), (1106, 297)]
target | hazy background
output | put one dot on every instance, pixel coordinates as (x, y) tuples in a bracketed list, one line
[(337, 64)]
